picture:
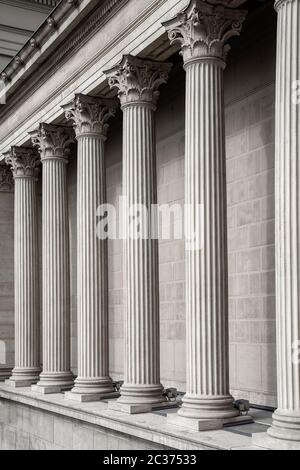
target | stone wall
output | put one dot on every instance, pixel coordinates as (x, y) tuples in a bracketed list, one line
[(23, 427), (250, 128), (250, 153)]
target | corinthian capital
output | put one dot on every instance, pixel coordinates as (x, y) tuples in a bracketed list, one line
[(203, 29), (52, 141), (90, 115), (6, 179), (138, 80), (24, 162), (279, 4)]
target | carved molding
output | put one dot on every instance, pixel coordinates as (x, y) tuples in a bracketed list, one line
[(24, 162), (6, 179), (48, 3), (203, 29), (227, 3), (138, 80), (52, 141), (90, 114), (67, 48)]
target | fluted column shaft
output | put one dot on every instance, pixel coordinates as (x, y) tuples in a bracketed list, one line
[(56, 375), (137, 82), (92, 269), (56, 283), (207, 390), (142, 371), (27, 359), (26, 279), (286, 420), (90, 115), (202, 31)]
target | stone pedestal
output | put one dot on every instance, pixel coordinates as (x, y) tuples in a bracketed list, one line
[(53, 143), (137, 82), (24, 163), (202, 30), (90, 116), (285, 430), (209, 424)]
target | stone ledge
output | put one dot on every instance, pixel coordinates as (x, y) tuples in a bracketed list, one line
[(150, 427)]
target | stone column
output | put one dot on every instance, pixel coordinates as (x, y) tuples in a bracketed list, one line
[(53, 143), (202, 31), (24, 164), (285, 430), (137, 82), (90, 116)]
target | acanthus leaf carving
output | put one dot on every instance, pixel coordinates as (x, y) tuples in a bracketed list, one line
[(52, 141), (6, 179), (203, 29), (24, 162), (138, 80), (90, 114)]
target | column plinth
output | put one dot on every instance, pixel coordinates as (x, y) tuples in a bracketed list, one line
[(137, 82), (202, 31), (53, 143), (90, 116), (285, 430), (24, 163)]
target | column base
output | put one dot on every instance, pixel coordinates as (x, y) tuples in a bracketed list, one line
[(268, 442), (23, 377), (133, 409), (136, 399), (206, 424), (89, 397), (53, 383), (284, 433), (11, 382), (5, 373), (218, 407), (92, 389)]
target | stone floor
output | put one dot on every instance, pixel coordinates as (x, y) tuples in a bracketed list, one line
[(148, 427)]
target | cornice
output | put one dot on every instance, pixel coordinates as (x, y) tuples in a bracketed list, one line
[(34, 5), (12, 29), (39, 38), (77, 38), (49, 3)]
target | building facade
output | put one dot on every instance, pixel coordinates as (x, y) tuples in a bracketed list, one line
[(19, 20), (188, 105)]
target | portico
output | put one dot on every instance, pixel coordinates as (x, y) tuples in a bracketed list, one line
[(75, 128)]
